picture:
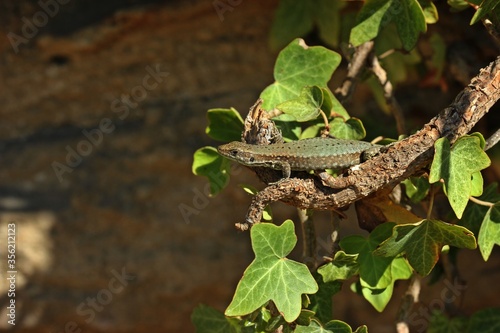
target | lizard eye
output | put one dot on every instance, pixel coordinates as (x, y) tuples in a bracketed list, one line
[(234, 152), (252, 159)]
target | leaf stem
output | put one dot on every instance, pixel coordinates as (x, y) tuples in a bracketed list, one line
[(481, 202)]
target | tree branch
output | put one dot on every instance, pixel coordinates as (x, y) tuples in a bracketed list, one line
[(398, 162)]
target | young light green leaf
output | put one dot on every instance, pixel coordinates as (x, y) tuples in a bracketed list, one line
[(399, 270), (422, 242), (430, 11), (372, 269), (306, 106), (333, 326), (456, 167), (376, 14), (331, 105), (209, 320), (314, 327), (459, 5), (224, 124), (338, 326), (297, 66), (208, 163), (342, 267), (351, 128), (416, 188), (271, 276), (489, 233)]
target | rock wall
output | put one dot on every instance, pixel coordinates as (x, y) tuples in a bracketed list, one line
[(98, 127)]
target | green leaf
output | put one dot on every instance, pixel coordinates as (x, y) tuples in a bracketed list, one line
[(489, 234), (306, 106), (292, 19), (334, 326), (438, 58), (416, 188), (208, 163), (332, 106), (487, 7), (314, 327), (327, 18), (376, 14), (399, 270), (372, 268), (271, 276), (456, 167), (342, 267), (485, 321), (459, 5), (439, 323), (351, 128), (224, 124), (297, 66), (208, 320), (474, 214), (422, 242), (430, 11)]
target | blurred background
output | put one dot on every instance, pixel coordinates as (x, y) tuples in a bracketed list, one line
[(102, 105)]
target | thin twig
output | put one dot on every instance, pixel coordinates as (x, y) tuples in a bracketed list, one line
[(492, 140), (481, 202), (309, 239), (390, 99), (409, 298), (356, 65)]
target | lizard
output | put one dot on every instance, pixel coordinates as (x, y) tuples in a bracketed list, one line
[(302, 155)]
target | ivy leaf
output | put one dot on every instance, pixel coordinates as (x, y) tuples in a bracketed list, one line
[(271, 276), (485, 321), (439, 323), (224, 124), (474, 214), (209, 320), (489, 234), (331, 105), (342, 267), (376, 14), (422, 242), (456, 167), (292, 19), (336, 326), (372, 268), (352, 128), (416, 188), (399, 270), (306, 106), (430, 11), (297, 66), (208, 163), (327, 18)]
